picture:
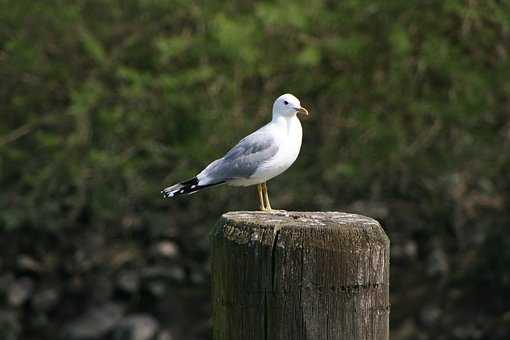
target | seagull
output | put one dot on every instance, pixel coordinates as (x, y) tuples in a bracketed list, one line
[(257, 158)]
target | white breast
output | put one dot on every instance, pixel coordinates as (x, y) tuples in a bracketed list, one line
[(290, 135)]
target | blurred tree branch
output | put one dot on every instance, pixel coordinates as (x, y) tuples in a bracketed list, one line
[(16, 134), (26, 129)]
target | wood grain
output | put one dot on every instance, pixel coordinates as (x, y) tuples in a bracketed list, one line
[(299, 275)]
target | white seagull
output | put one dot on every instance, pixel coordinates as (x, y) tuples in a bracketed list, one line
[(257, 158)]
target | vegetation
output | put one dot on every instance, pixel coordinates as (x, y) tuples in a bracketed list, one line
[(103, 103)]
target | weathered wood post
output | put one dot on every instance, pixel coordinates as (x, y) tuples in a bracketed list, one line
[(299, 275)]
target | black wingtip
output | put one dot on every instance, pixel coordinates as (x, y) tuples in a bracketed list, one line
[(188, 187), (191, 182)]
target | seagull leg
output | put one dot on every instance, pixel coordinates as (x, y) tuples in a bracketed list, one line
[(261, 196), (266, 196)]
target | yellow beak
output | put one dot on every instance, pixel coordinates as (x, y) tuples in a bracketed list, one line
[(303, 111)]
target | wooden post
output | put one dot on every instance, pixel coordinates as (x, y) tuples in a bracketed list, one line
[(299, 276)]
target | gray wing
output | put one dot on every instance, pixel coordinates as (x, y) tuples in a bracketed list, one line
[(244, 158)]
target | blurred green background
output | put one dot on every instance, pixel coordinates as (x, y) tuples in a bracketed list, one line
[(103, 103)]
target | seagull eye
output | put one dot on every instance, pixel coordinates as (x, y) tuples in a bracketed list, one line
[(286, 102)]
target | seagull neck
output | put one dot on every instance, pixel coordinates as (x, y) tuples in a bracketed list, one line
[(284, 121)]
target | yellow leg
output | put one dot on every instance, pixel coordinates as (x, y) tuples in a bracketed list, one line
[(266, 196), (261, 196)]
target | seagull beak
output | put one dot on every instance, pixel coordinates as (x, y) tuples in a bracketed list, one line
[(303, 111)]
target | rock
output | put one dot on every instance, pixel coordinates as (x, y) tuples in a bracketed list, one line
[(170, 272), (176, 273), (198, 277), (95, 323), (467, 331), (407, 330), (136, 327), (10, 327), (128, 281), (157, 278), (166, 249), (165, 335), (27, 263), (5, 282), (101, 288), (45, 299), (20, 291), (404, 249), (437, 261), (411, 249), (430, 315), (157, 288)]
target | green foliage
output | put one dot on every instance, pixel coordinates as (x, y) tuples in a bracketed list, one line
[(103, 103)]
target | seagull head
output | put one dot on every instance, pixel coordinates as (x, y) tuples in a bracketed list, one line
[(288, 105)]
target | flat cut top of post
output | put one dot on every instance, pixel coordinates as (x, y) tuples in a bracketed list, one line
[(246, 226), (300, 219)]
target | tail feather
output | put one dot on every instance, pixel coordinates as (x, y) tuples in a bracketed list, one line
[(185, 188)]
